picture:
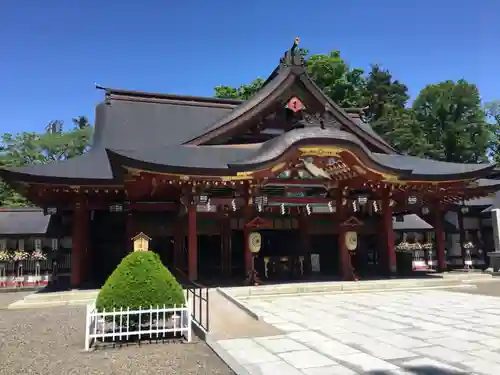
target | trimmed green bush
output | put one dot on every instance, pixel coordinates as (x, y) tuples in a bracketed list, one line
[(140, 280)]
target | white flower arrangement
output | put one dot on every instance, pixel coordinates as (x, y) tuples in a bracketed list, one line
[(38, 255), (5, 256), (20, 255), (407, 246), (428, 246), (468, 245)]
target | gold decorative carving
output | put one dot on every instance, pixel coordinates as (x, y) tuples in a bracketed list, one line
[(236, 178), (320, 151), (278, 166), (359, 169)]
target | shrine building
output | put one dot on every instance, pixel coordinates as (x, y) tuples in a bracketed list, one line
[(199, 176)]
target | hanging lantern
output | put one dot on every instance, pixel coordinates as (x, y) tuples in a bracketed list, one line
[(254, 242), (351, 241)]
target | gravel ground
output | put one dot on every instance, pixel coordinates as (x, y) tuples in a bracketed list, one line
[(50, 342)]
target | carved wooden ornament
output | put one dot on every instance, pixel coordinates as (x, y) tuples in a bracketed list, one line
[(141, 242)]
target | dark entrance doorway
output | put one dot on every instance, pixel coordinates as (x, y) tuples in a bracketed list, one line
[(209, 256), (106, 245), (326, 248), (164, 247), (237, 248)]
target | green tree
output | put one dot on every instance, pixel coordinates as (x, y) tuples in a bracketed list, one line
[(27, 148), (453, 122), (383, 94), (492, 110), (243, 92), (403, 131), (330, 72), (337, 80)]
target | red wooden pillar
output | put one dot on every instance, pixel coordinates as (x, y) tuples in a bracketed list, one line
[(388, 234), (129, 232), (345, 267), (248, 253), (461, 229), (192, 243), (178, 243), (79, 256), (440, 241)]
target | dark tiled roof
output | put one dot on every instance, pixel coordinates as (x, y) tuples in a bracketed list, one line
[(411, 222), (427, 166), (210, 157), (128, 124), (93, 165), (23, 222)]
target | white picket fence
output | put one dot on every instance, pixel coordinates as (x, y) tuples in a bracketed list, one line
[(155, 323)]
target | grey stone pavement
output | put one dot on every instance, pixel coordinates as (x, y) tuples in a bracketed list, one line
[(390, 333)]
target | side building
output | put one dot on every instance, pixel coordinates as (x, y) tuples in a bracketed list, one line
[(200, 175)]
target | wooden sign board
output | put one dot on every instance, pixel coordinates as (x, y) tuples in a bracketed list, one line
[(141, 242)]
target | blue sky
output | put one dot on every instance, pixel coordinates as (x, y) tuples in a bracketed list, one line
[(53, 51)]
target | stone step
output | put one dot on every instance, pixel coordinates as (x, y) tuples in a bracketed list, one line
[(22, 304), (332, 287), (63, 296)]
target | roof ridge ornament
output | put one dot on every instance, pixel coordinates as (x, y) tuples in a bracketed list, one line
[(292, 57)]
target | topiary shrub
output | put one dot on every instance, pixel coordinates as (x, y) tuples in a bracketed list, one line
[(140, 281)]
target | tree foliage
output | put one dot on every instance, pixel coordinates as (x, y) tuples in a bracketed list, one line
[(445, 122), (140, 281), (453, 122), (52, 145)]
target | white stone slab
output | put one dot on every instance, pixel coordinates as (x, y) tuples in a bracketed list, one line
[(307, 337), (387, 352), (454, 344), (330, 370), (237, 344), (306, 359), (421, 334), (252, 355), (367, 362), (486, 354), (430, 364), (281, 345), (443, 354), (289, 327), (333, 348), (273, 368), (481, 366)]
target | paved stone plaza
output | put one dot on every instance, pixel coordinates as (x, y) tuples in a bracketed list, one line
[(412, 332)]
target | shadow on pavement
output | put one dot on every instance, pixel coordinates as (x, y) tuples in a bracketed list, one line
[(421, 370)]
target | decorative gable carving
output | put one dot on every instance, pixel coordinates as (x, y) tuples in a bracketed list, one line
[(352, 222), (259, 223)]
